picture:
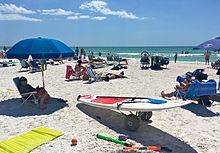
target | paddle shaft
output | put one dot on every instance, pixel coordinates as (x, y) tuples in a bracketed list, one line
[(104, 137), (153, 148)]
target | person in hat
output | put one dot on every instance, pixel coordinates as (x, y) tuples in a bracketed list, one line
[(183, 87)]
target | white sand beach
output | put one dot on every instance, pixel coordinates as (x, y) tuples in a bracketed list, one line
[(193, 128)]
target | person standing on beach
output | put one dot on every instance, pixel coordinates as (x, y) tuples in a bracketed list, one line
[(4, 53), (77, 52), (81, 53), (84, 54), (100, 54), (207, 55), (175, 57)]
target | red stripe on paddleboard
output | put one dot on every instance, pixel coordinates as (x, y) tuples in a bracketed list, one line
[(87, 97), (108, 100)]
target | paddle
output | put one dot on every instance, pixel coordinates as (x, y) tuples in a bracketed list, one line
[(104, 137), (152, 148)]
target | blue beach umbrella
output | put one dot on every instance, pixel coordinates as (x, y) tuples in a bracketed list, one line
[(213, 44), (39, 48)]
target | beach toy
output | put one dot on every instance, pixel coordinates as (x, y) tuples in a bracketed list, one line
[(152, 148), (73, 141), (104, 137), (123, 137)]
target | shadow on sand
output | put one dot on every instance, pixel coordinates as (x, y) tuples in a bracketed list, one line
[(146, 134), (13, 107), (200, 110)]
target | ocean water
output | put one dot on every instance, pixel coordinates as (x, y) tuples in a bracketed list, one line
[(184, 53)]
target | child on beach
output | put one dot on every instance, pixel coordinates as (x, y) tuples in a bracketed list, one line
[(24, 87)]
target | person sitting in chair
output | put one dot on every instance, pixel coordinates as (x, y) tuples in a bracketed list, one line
[(145, 58), (24, 87), (183, 87), (81, 70)]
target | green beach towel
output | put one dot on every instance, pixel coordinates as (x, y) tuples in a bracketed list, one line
[(25, 143)]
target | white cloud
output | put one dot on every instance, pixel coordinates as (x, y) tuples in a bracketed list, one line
[(58, 11), (13, 9), (98, 18), (73, 17), (101, 7), (78, 17), (84, 17), (17, 17)]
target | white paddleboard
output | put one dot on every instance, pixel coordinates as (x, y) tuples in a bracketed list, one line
[(137, 104)]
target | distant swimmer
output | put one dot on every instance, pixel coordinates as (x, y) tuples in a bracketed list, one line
[(175, 57)]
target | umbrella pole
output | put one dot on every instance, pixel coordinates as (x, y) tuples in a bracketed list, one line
[(42, 70)]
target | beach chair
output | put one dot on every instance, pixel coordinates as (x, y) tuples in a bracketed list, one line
[(165, 61), (119, 59), (29, 96), (71, 74), (24, 65), (216, 64), (35, 67), (110, 59), (92, 75), (199, 91), (145, 60)]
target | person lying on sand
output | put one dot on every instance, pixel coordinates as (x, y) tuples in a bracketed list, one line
[(110, 76), (24, 87), (183, 87)]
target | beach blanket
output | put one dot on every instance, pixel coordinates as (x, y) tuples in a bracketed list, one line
[(25, 143)]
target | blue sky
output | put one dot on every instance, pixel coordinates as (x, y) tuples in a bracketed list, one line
[(111, 22)]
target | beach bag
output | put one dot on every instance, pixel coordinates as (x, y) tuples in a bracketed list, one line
[(201, 76)]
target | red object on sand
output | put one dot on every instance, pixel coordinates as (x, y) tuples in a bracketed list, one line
[(69, 71), (74, 141)]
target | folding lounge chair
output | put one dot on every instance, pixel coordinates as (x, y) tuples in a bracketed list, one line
[(35, 67), (216, 64), (165, 61), (110, 59), (71, 74), (24, 65), (199, 91), (119, 59), (145, 60), (97, 65), (92, 75), (29, 96)]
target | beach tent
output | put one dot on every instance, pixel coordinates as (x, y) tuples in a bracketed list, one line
[(39, 48)]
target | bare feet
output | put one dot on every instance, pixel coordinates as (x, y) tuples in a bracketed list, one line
[(162, 94)]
